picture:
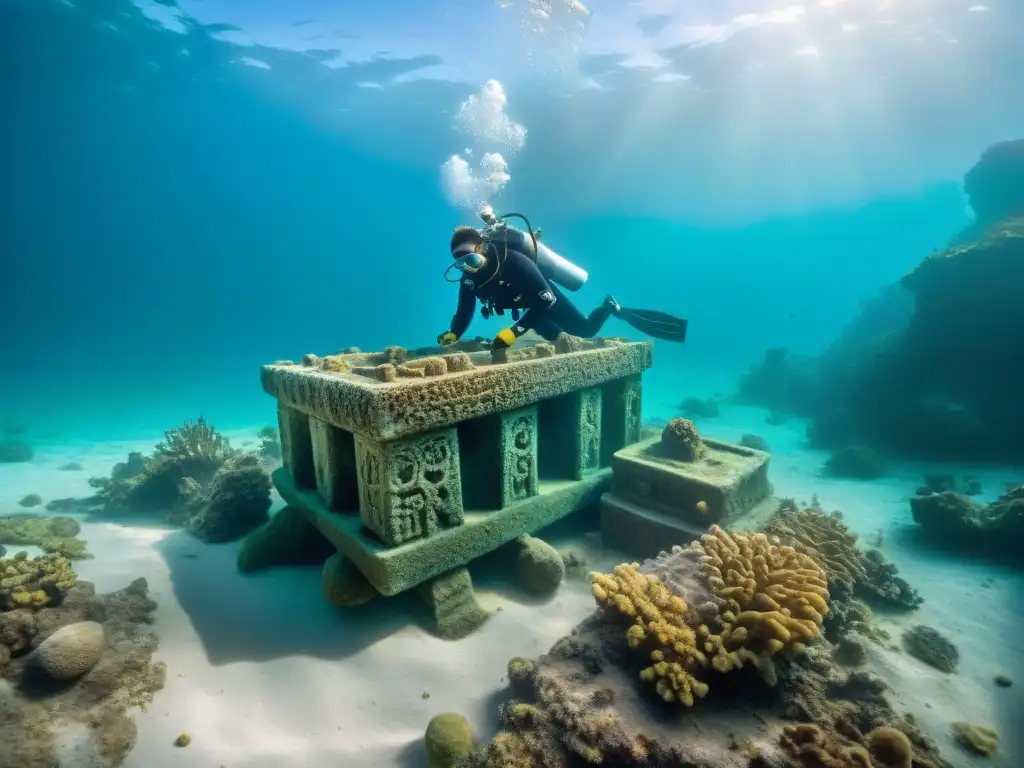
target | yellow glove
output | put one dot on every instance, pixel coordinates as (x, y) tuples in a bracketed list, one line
[(505, 338), (447, 338)]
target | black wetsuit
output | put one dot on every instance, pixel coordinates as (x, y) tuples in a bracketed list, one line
[(536, 303)]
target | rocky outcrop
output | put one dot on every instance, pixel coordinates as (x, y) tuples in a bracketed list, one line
[(931, 368)]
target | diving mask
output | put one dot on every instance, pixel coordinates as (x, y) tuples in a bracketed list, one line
[(470, 262)]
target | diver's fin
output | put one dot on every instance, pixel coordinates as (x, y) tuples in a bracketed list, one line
[(655, 324)]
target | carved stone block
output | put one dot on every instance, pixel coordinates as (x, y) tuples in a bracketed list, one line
[(409, 489)]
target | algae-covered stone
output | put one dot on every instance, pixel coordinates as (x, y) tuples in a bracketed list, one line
[(541, 568), (344, 584), (449, 739), (72, 650)]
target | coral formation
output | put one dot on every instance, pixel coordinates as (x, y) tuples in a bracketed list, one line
[(236, 502), (760, 600), (826, 539), (681, 441), (31, 500), (72, 650), (979, 739), (34, 583), (583, 702), (194, 479), (928, 645), (953, 517), (54, 535), (101, 651)]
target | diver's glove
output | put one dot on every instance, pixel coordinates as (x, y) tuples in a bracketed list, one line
[(447, 338), (506, 338)]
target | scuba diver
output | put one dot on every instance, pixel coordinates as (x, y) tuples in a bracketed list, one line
[(506, 269)]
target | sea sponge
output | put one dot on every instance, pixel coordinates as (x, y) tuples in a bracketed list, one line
[(449, 740), (890, 747), (334, 364), (661, 626), (772, 598), (72, 650), (34, 583), (681, 441)]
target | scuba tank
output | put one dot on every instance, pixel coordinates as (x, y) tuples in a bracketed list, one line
[(552, 265)]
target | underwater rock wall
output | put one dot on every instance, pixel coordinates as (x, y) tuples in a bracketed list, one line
[(940, 381)]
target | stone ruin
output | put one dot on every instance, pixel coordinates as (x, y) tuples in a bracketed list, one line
[(414, 464), (669, 489)]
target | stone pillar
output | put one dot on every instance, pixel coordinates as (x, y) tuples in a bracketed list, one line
[(334, 459), (621, 417), (409, 488), (296, 446), (570, 429), (499, 459)]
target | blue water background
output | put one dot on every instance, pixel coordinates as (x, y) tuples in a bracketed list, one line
[(173, 220)]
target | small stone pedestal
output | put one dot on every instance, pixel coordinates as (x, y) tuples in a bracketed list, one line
[(659, 500)]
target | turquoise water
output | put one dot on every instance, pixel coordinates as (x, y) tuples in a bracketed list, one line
[(197, 188)]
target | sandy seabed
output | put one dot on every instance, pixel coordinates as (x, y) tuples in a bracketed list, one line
[(263, 673)]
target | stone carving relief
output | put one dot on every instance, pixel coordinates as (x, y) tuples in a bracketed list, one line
[(521, 457), (590, 429), (410, 490)]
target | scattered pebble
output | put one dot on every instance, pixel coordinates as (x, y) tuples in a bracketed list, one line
[(1003, 681), (183, 740), (426, 694)]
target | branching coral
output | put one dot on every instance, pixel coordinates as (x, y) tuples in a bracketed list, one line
[(662, 627), (34, 583), (194, 441)]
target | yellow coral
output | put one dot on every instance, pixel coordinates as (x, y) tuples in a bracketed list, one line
[(34, 583), (772, 598), (661, 624)]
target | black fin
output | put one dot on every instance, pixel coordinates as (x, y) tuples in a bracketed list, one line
[(657, 325)]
